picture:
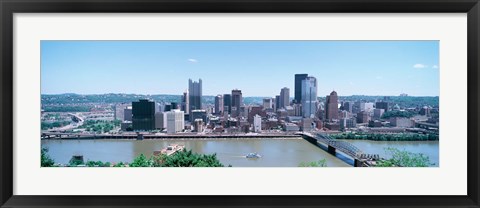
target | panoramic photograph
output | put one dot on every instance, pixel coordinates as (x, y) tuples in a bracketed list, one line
[(239, 103)]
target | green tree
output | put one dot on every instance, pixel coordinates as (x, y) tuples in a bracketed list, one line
[(142, 161), (46, 161), (401, 158)]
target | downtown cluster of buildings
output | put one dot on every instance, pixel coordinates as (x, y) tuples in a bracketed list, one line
[(229, 114)]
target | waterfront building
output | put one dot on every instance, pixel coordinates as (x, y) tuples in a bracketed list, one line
[(195, 95), (227, 104), (127, 113), (160, 120), (198, 127), (362, 117), (290, 127), (284, 98), (267, 103), (143, 115), (307, 124), (309, 97), (237, 101), (218, 104), (185, 102), (402, 122), (298, 87), (331, 106), (198, 114), (382, 105), (332, 126), (377, 113), (175, 122), (257, 123)]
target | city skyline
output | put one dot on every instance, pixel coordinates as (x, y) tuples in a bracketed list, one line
[(349, 67)]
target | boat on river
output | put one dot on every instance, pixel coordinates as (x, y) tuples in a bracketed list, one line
[(253, 155)]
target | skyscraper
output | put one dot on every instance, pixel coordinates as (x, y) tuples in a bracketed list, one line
[(331, 107), (309, 97), (284, 97), (143, 115), (227, 103), (237, 101), (185, 103), (277, 102), (195, 95), (298, 87), (218, 104)]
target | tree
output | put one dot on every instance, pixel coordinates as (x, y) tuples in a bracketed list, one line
[(46, 161), (404, 159), (142, 161)]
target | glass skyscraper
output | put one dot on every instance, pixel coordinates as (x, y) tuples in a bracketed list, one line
[(309, 97)]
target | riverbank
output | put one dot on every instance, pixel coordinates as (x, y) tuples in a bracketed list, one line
[(168, 136), (387, 137)]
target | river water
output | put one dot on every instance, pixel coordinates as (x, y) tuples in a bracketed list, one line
[(288, 152)]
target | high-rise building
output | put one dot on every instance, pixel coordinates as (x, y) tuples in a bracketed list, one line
[(195, 95), (277, 102), (298, 87), (143, 115), (362, 117), (267, 103), (331, 106), (175, 121), (198, 125), (368, 107), (227, 103), (160, 120), (347, 106), (257, 123), (377, 113), (218, 104), (382, 105), (284, 97), (185, 102), (309, 97), (237, 101), (127, 114)]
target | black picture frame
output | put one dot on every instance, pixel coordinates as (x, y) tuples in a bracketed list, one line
[(9, 7)]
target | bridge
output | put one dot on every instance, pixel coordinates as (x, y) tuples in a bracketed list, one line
[(360, 158)]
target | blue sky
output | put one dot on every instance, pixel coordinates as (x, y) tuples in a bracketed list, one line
[(258, 68)]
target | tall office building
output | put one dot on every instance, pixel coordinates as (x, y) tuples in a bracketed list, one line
[(257, 123), (347, 106), (119, 111), (382, 105), (277, 102), (309, 97), (143, 115), (237, 101), (267, 103), (227, 103), (298, 87), (331, 107), (160, 120), (284, 97), (195, 95), (218, 104), (175, 121), (185, 103)]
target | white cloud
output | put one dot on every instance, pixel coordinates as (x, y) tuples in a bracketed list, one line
[(435, 66), (419, 66), (192, 60)]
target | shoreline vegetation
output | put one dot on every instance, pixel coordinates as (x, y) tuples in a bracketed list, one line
[(387, 137)]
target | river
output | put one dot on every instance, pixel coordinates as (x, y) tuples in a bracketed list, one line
[(288, 152)]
